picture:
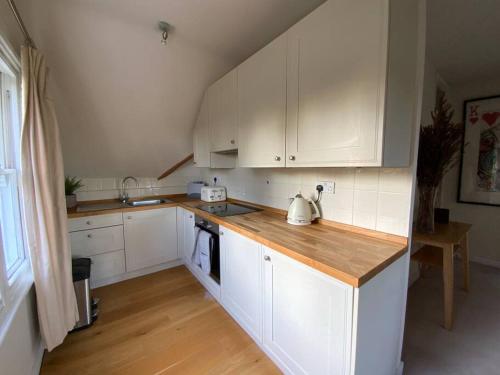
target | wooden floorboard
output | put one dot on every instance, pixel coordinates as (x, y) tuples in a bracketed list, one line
[(163, 323)]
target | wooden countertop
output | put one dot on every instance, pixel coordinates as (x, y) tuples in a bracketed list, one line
[(350, 254)]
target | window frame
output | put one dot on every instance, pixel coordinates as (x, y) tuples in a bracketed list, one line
[(14, 288)]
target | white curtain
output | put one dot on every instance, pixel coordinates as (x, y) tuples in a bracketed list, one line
[(45, 207)]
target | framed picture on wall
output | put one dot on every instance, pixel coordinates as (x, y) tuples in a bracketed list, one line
[(480, 164)]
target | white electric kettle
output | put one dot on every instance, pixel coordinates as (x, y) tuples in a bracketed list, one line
[(300, 211)]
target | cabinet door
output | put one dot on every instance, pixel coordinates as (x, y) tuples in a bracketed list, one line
[(201, 140), (189, 238), (222, 113), (106, 266), (336, 72), (307, 317), (241, 280), (180, 232), (150, 237), (262, 107)]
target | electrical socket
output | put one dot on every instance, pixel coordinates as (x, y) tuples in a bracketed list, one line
[(328, 186)]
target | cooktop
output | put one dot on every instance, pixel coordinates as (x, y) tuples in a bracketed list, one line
[(226, 209)]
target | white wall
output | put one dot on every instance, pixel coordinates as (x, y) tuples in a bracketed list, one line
[(21, 351), (127, 104), (484, 236), (374, 198)]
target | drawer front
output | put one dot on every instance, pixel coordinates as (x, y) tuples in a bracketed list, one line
[(96, 241), (91, 222), (107, 265)]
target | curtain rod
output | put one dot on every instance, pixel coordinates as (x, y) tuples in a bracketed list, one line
[(21, 23)]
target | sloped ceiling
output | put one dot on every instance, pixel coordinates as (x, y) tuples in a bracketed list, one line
[(463, 39), (127, 104)]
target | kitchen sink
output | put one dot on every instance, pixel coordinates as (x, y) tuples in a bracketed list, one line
[(148, 202)]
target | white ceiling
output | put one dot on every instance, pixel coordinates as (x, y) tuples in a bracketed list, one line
[(127, 104), (463, 39)]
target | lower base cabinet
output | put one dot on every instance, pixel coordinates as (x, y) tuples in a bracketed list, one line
[(308, 322), (106, 266), (150, 237), (241, 285), (307, 317), (188, 234)]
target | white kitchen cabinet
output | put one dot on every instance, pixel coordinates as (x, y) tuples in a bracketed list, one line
[(150, 237), (96, 221), (351, 93), (222, 113), (96, 241), (180, 232), (307, 321), (307, 317), (201, 143), (338, 89), (106, 267), (262, 107), (241, 280), (189, 235)]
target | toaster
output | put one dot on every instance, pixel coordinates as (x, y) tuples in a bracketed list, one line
[(213, 193)]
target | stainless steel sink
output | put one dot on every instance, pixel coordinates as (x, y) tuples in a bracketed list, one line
[(148, 202)]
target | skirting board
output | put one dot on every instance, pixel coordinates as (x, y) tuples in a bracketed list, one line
[(486, 261), (134, 274)]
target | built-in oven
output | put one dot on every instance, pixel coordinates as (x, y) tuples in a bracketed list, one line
[(213, 229)]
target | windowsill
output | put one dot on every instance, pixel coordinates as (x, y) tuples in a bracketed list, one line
[(18, 290)]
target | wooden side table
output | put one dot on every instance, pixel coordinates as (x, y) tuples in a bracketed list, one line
[(446, 237)]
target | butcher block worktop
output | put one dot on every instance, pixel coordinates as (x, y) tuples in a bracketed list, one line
[(350, 254)]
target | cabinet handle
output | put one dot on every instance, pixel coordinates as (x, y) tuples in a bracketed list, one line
[(129, 217), (277, 158), (233, 141), (190, 216), (267, 258), (221, 233), (89, 236), (88, 222), (291, 157)]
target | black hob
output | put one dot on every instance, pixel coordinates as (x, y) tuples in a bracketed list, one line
[(226, 209)]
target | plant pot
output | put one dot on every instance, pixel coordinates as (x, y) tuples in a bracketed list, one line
[(425, 213), (71, 201)]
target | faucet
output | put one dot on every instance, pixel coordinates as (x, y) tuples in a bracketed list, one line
[(123, 193)]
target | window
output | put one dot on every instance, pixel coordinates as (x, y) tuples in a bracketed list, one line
[(10, 210), (15, 276)]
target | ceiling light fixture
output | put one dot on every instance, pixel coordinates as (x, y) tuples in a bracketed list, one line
[(164, 27)]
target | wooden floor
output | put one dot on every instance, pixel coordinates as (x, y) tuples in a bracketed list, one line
[(163, 323)]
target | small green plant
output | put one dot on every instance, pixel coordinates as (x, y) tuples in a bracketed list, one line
[(72, 184)]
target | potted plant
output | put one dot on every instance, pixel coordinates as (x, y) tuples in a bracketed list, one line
[(439, 147), (71, 185)]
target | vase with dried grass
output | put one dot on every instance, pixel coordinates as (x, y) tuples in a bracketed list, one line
[(439, 147)]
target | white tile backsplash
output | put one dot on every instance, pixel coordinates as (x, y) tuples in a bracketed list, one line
[(373, 198), (109, 187)]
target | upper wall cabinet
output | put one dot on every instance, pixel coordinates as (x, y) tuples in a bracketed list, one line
[(340, 64), (222, 113), (338, 89), (201, 145), (262, 107)]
